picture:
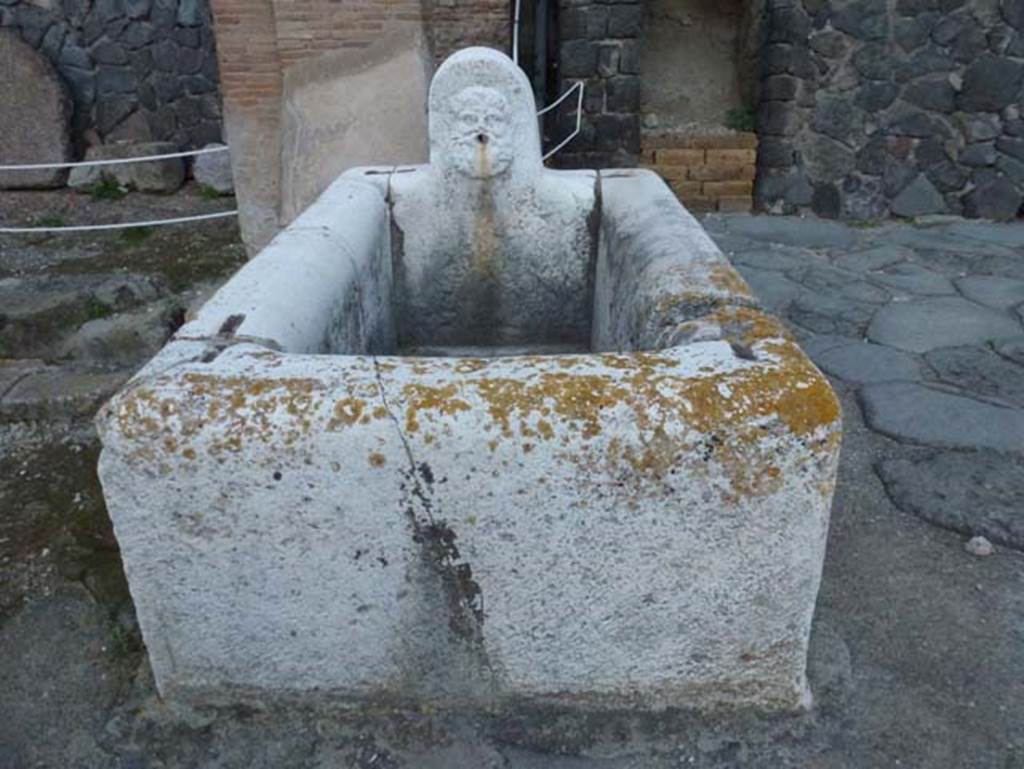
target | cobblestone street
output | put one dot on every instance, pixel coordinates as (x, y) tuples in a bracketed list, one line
[(918, 643)]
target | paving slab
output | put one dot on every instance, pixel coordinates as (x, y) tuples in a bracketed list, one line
[(1009, 234), (795, 231), (863, 362), (1011, 349), (825, 279), (13, 370), (913, 279), (825, 313), (974, 493), (915, 413), (995, 291), (774, 289), (920, 326), (979, 370), (872, 258), (772, 256), (58, 394)]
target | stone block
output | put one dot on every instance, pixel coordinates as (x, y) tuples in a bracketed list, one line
[(679, 157), (731, 156), (214, 170), (34, 120), (686, 189), (722, 172), (578, 58), (347, 109), (736, 204), (672, 173), (718, 189), (307, 508), (162, 176)]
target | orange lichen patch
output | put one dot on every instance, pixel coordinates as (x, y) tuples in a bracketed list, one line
[(635, 359), (725, 278), (230, 408), (575, 397), (748, 326), (424, 398), (545, 429), (377, 459), (347, 412), (469, 365)]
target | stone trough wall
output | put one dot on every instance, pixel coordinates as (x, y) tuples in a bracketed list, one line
[(139, 70), (870, 108)]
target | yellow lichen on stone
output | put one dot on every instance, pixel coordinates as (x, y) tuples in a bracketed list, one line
[(347, 412), (424, 398)]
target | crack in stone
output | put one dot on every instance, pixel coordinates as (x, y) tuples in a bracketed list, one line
[(437, 539)]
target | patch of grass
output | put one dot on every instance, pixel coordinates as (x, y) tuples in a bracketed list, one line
[(50, 220), (107, 188), (741, 120), (95, 309), (206, 192), (136, 234), (124, 643)]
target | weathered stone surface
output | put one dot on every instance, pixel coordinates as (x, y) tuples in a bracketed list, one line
[(34, 118), (863, 362), (773, 289), (53, 394), (941, 322), (454, 564), (348, 109), (803, 233), (979, 370), (994, 198), (125, 339), (995, 291), (919, 198), (214, 171), (918, 414), (990, 83), (147, 176), (911, 278), (976, 492), (873, 258), (54, 711)]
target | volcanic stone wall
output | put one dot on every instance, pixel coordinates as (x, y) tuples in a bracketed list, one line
[(598, 44), (908, 107), (137, 69)]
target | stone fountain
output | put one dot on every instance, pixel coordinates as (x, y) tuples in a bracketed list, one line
[(478, 433)]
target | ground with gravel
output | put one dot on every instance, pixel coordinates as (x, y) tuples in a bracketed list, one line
[(918, 642)]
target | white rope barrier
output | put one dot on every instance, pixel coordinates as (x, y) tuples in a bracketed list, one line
[(120, 226), (579, 117), (112, 161)]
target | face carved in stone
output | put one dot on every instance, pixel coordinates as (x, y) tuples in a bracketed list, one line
[(479, 143)]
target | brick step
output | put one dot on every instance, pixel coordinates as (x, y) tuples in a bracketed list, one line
[(707, 173)]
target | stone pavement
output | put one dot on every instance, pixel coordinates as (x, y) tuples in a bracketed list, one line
[(918, 645), (925, 325)]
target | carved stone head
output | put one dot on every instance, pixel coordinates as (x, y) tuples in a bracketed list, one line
[(483, 121)]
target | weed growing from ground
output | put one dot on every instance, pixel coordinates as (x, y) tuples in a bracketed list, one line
[(741, 120), (135, 235), (107, 188), (50, 220), (95, 309)]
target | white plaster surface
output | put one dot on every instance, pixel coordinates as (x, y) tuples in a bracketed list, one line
[(304, 512), (351, 107)]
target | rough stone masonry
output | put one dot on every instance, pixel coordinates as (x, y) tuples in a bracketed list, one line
[(305, 509)]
